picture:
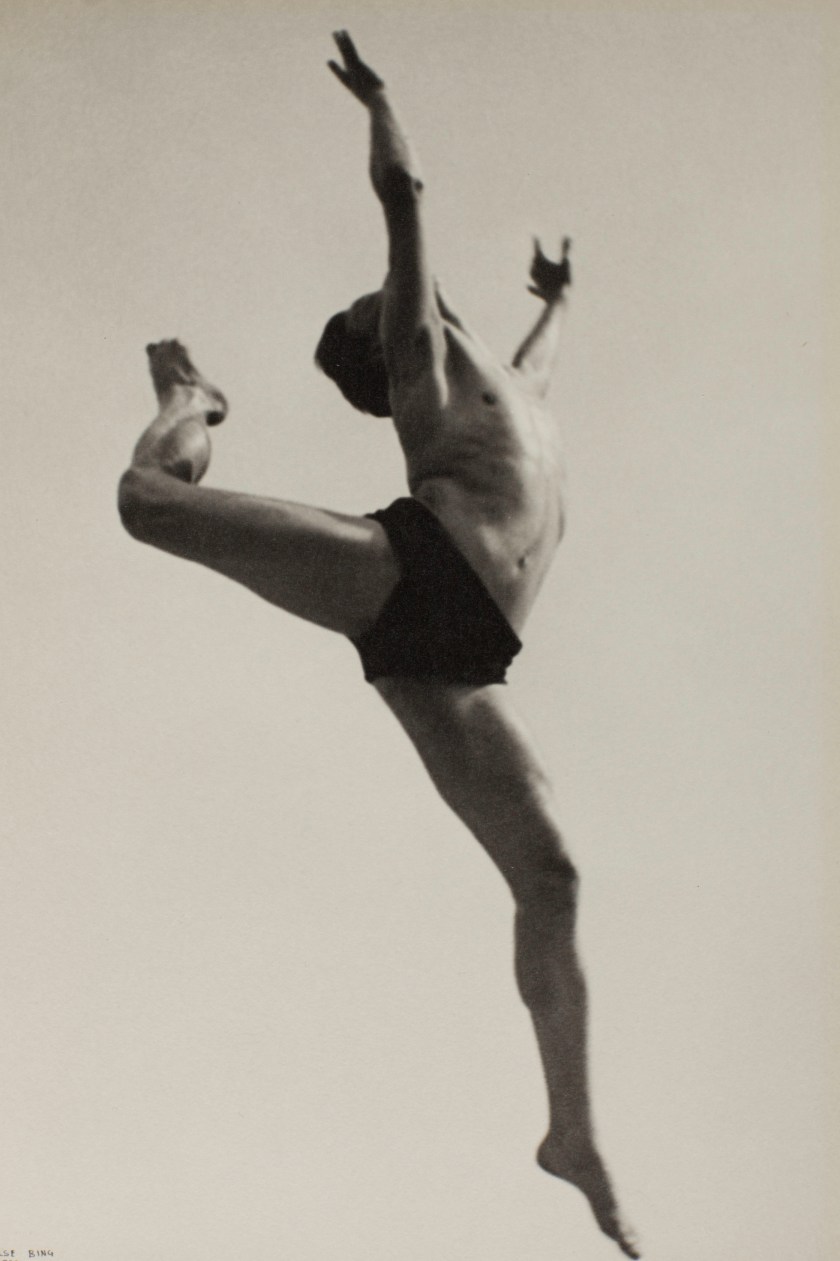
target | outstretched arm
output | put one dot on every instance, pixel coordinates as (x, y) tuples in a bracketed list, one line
[(537, 355), (391, 157), (410, 326)]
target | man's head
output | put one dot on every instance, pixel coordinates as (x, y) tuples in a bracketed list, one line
[(351, 355)]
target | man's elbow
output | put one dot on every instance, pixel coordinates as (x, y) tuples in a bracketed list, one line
[(397, 186)]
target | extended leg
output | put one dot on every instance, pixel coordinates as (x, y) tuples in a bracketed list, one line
[(484, 766), (331, 569)]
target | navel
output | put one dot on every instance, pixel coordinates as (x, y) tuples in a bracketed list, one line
[(490, 399)]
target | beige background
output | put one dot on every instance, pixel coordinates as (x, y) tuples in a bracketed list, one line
[(256, 986)]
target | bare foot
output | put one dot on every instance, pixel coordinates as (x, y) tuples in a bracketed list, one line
[(178, 382), (584, 1168), (177, 441)]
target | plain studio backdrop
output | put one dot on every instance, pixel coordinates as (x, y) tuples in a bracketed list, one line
[(257, 996)]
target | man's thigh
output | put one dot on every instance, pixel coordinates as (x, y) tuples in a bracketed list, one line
[(484, 765), (330, 568)]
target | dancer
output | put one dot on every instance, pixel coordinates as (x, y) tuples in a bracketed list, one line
[(434, 591)]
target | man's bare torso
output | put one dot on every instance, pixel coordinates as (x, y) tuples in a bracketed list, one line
[(483, 453)]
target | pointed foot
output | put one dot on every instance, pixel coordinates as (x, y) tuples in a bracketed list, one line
[(584, 1169)]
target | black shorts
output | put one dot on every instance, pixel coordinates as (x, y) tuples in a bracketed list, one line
[(440, 621)]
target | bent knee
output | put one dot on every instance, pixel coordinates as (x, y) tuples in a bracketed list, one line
[(142, 502), (131, 503)]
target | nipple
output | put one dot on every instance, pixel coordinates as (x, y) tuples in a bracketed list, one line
[(489, 399)]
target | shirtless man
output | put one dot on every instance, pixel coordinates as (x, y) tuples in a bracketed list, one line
[(433, 591)]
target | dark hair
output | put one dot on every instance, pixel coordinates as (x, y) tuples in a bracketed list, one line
[(355, 362)]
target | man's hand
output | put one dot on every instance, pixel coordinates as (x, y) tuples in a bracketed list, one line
[(550, 279), (358, 78)]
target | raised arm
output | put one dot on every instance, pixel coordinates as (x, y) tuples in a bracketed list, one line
[(410, 325), (391, 156), (537, 355)]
